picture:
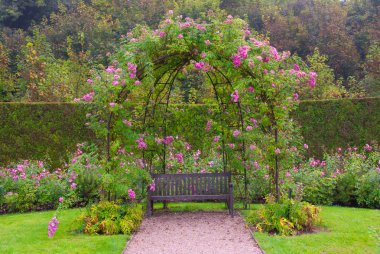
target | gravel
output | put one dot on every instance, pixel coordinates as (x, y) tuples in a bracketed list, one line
[(194, 232)]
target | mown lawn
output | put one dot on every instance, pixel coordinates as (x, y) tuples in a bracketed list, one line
[(27, 233), (347, 230)]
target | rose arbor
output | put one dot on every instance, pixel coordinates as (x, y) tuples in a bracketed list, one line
[(250, 88)]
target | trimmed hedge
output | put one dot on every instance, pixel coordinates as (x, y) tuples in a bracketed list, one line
[(329, 124), (51, 130), (41, 130)]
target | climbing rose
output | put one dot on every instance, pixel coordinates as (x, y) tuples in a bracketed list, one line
[(152, 186), (52, 227), (306, 146), (179, 157), (60, 199), (236, 133), (90, 81), (216, 138), (199, 65), (277, 151), (367, 148), (131, 194), (88, 97), (180, 36), (235, 96)]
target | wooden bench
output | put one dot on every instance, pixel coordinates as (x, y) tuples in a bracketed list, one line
[(190, 187)]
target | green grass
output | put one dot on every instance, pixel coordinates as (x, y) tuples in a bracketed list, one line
[(27, 233), (347, 230)]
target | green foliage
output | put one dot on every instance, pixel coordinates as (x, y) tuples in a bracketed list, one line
[(40, 131), (288, 217), (111, 218), (329, 124)]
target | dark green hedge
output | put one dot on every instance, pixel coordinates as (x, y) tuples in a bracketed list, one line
[(41, 130), (51, 130), (329, 124)]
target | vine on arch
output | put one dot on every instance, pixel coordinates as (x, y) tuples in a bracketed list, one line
[(255, 87)]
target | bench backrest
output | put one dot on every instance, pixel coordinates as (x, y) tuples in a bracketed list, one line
[(191, 184)]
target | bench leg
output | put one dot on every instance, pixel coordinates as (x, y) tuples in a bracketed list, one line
[(149, 207), (231, 205)]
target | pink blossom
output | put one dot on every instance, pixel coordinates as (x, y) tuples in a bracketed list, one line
[(90, 81), (296, 67), (162, 34), (251, 89), (179, 157), (203, 54), (137, 82), (73, 185), (306, 146), (288, 174), (170, 12), (115, 82), (216, 138), (199, 65), (235, 96), (295, 96), (231, 145), (141, 144), (127, 122), (236, 133), (112, 104), (254, 121), (236, 60), (367, 148), (207, 42), (211, 163), (249, 128), (252, 147), (52, 227), (110, 69), (131, 194), (208, 125), (88, 97), (323, 174), (187, 146), (243, 51), (60, 200), (277, 151), (168, 140), (152, 186), (180, 36)]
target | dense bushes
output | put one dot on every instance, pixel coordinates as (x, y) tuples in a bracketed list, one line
[(329, 124), (348, 178), (31, 185), (288, 217), (41, 130)]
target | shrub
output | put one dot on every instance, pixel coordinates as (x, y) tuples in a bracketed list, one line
[(111, 218), (289, 217), (368, 190), (29, 186)]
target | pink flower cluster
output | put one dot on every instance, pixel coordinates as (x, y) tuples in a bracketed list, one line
[(235, 96), (316, 163), (88, 97), (52, 227), (208, 126), (132, 69), (131, 194), (152, 186), (168, 140), (141, 144), (367, 148), (179, 157)]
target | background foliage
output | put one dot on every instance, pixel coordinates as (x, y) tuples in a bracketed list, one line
[(46, 130)]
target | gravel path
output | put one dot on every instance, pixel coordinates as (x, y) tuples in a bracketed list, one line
[(195, 233)]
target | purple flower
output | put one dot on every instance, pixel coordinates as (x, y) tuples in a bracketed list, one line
[(131, 194), (179, 157), (236, 133), (306, 146), (277, 151), (88, 97), (60, 199), (52, 227), (199, 65), (235, 96)]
